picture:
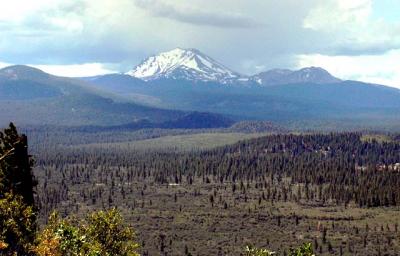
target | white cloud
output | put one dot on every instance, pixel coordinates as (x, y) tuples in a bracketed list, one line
[(352, 27), (17, 10), (78, 70), (3, 64), (332, 14), (379, 69)]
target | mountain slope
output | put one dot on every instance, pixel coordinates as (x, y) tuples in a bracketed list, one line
[(356, 103), (30, 96), (188, 64), (118, 83), (126, 87), (15, 84), (348, 94)]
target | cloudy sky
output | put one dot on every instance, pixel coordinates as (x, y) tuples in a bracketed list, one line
[(357, 39)]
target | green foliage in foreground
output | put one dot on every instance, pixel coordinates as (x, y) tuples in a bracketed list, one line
[(101, 233), (304, 250), (17, 226), (252, 251)]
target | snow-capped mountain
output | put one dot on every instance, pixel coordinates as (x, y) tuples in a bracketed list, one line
[(193, 65), (314, 75), (188, 64)]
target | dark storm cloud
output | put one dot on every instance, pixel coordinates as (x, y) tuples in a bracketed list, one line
[(196, 17), (362, 50), (126, 31)]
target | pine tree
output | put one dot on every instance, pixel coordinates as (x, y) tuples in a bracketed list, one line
[(17, 212), (16, 166)]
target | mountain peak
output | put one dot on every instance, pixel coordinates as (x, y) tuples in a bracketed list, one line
[(314, 75), (179, 63), (314, 70)]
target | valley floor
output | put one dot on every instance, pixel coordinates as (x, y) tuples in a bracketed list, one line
[(173, 218), (188, 212)]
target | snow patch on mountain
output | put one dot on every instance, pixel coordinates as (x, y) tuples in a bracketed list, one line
[(188, 64)]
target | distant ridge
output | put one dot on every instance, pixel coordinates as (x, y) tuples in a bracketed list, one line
[(192, 120), (314, 75)]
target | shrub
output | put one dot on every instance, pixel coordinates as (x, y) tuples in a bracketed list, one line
[(252, 251), (102, 233), (304, 250), (17, 226)]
